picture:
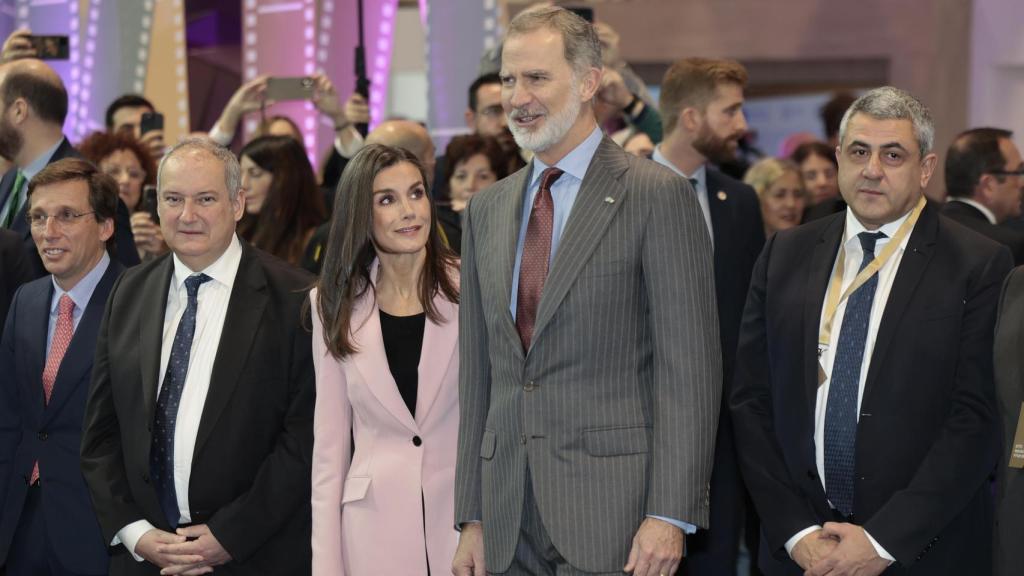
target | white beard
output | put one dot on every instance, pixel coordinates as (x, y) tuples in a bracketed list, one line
[(551, 131)]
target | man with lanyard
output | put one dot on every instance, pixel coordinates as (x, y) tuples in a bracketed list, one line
[(864, 403)]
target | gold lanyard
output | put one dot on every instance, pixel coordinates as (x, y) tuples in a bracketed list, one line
[(836, 295)]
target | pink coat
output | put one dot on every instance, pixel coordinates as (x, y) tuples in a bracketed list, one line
[(368, 516)]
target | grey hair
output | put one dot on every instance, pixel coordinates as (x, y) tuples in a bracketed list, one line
[(889, 103), (582, 46), (232, 170)]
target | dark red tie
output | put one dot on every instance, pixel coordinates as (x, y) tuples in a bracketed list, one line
[(533, 269)]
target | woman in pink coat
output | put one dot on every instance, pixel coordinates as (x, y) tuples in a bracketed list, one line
[(385, 339)]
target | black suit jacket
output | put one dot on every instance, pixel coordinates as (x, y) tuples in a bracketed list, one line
[(250, 479), (974, 219), (1009, 368), (123, 240), (928, 431), (50, 433), (15, 269)]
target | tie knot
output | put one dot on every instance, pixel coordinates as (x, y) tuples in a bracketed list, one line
[(65, 306), (192, 284), (868, 239), (548, 177)]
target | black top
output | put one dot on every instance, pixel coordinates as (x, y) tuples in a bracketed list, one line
[(403, 340)]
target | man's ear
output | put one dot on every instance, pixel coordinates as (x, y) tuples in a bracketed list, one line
[(691, 119), (590, 83), (928, 168), (470, 119)]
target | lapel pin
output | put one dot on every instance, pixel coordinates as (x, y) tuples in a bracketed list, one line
[(722, 195), (609, 200)]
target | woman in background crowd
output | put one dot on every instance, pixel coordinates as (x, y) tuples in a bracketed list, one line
[(128, 162), (819, 170), (472, 163), (385, 350), (283, 203), (781, 190)]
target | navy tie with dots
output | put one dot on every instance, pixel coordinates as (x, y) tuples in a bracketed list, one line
[(841, 410), (161, 452)]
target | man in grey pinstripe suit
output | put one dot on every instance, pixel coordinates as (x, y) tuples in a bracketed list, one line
[(590, 368)]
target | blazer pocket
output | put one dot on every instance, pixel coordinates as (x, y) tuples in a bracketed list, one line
[(487, 445), (355, 489), (616, 441)]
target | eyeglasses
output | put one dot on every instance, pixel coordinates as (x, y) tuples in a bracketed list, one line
[(1018, 172), (493, 111), (64, 218)]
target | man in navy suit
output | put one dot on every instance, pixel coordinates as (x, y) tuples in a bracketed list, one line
[(33, 106), (702, 108), (47, 523)]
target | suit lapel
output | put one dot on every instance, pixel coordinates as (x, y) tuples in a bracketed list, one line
[(77, 361), (152, 310), (718, 207), (822, 261), (440, 344), (241, 325), (510, 219), (37, 308), (587, 223), (919, 252), (371, 360)]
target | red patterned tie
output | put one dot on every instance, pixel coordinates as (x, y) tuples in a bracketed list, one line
[(533, 269), (62, 334)]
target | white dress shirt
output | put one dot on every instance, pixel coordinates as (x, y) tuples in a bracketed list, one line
[(213, 298), (886, 275)]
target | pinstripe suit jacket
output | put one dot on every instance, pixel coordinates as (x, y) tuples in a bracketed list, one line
[(614, 407)]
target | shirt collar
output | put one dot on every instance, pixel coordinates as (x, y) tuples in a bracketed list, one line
[(700, 174), (854, 227), (574, 163), (82, 291), (222, 271), (978, 205), (36, 166)]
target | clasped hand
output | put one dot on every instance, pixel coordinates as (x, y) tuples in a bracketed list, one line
[(176, 554), (838, 549)]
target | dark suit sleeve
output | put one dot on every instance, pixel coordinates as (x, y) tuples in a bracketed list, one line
[(964, 452), (782, 509), (127, 253), (102, 454), (474, 381), (10, 424), (282, 484)]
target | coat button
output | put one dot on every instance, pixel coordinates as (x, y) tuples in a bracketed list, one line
[(812, 474), (529, 386), (522, 438), (416, 441), (43, 436), (145, 478)]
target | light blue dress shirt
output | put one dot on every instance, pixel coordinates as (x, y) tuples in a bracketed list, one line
[(80, 295), (563, 195)]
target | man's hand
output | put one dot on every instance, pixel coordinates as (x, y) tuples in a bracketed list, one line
[(205, 547), (812, 548), (469, 556), (657, 549), (17, 46), (613, 90), (154, 142), (853, 556), (150, 546), (148, 237)]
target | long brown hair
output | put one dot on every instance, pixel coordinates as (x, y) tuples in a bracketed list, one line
[(294, 205), (345, 276)]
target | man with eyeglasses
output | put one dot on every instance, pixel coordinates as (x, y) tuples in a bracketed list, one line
[(33, 106), (47, 523), (984, 182)]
